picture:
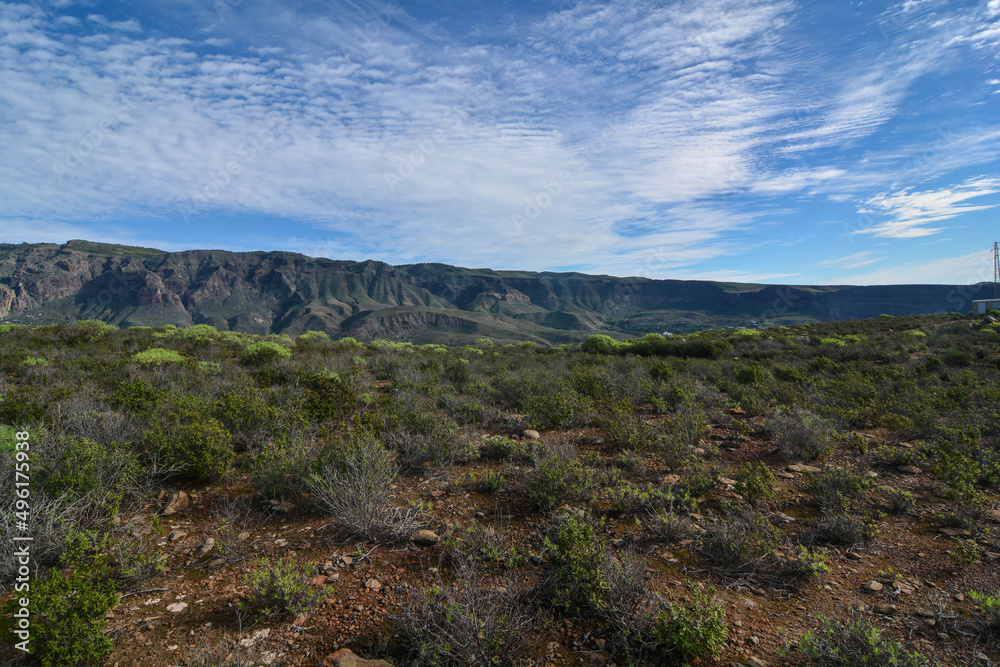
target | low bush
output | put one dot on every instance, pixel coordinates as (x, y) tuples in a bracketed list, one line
[(837, 490), (496, 448), (186, 436), (558, 477), (631, 499), (628, 432), (844, 529), (78, 468), (280, 470), (487, 481), (135, 559), (354, 486), (698, 479), (986, 613), (689, 424), (756, 483), (264, 352), (801, 432), (279, 587), (577, 546), (740, 540), (899, 501), (328, 397), (253, 416), (68, 607), (465, 624), (691, 630), (157, 356), (420, 436), (475, 544), (647, 628), (600, 344), (669, 527), (851, 641), (235, 521), (557, 406), (136, 396)]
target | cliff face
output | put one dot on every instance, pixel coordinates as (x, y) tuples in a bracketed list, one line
[(280, 292)]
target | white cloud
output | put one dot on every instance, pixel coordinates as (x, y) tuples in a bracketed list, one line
[(415, 144), (853, 261), (960, 270), (797, 180), (910, 212)]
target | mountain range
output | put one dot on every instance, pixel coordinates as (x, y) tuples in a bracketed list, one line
[(283, 292)]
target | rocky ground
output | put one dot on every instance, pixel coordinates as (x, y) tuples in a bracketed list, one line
[(907, 580)]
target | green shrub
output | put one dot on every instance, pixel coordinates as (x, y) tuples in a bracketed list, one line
[(68, 608), (476, 544), (23, 404), (899, 501), (987, 612), (835, 342), (958, 357), (313, 337), (854, 641), (690, 424), (280, 470), (496, 448), (328, 397), (752, 374), (137, 396), (8, 441), (86, 469), (578, 549), (699, 478), (187, 437), (253, 416), (279, 587), (421, 436), (632, 499), (838, 489), (264, 352), (899, 424), (755, 482), (801, 432), (628, 432), (556, 406), (487, 481), (693, 629), (157, 356), (558, 477), (32, 362), (789, 375), (600, 344), (844, 529), (960, 475), (741, 542), (661, 371)]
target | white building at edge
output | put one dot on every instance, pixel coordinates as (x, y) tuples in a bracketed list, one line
[(980, 306)]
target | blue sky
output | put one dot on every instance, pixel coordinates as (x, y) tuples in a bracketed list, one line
[(791, 142)]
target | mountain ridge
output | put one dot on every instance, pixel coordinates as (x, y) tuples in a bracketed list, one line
[(265, 292)]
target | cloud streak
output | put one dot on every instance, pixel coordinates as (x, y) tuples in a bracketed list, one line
[(911, 212), (614, 137)]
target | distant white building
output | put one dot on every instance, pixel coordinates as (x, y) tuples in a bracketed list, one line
[(980, 306)]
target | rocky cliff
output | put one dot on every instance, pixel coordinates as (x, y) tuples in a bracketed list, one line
[(282, 292)]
